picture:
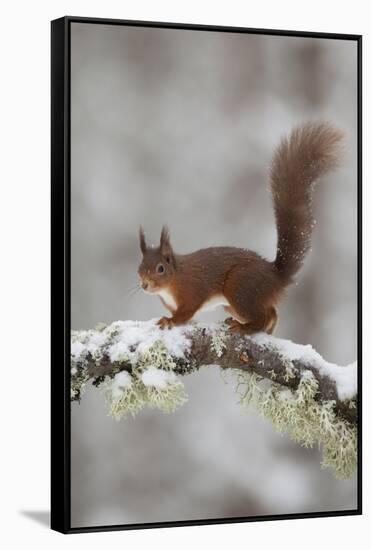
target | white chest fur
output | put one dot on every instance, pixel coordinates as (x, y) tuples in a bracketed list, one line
[(214, 302), (167, 298)]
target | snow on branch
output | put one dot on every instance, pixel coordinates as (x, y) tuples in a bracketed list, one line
[(302, 394)]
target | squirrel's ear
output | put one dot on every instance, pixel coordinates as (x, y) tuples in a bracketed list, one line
[(142, 240), (165, 246)]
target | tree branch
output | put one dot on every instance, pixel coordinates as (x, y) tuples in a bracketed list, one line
[(106, 351)]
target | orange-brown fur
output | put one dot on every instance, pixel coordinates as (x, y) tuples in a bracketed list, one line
[(250, 284)]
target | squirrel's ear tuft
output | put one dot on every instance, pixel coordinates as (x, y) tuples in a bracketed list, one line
[(142, 240), (165, 237), (165, 245)]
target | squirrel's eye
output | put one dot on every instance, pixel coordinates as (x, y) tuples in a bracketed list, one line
[(160, 268)]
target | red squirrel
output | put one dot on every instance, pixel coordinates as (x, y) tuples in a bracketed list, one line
[(245, 284)]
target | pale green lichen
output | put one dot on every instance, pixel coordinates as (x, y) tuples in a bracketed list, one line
[(123, 402), (218, 342), (306, 420), (100, 326), (250, 387), (290, 370), (79, 379), (225, 375), (112, 331), (129, 400), (79, 336), (168, 399), (157, 356)]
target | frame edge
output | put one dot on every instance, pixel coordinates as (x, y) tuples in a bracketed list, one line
[(60, 442)]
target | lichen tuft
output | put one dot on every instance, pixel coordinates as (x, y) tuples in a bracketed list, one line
[(306, 420), (79, 379), (168, 399), (166, 392), (124, 401), (157, 356), (218, 342)]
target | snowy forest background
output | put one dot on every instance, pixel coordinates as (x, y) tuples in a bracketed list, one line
[(178, 127)]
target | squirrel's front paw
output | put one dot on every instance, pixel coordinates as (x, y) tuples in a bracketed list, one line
[(165, 322)]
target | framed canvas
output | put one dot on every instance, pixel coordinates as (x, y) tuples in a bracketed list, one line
[(206, 274)]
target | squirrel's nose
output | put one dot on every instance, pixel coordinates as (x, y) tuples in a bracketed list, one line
[(144, 285)]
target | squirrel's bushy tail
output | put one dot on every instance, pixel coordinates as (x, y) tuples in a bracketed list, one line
[(310, 151)]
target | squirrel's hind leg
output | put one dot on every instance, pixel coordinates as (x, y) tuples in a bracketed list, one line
[(235, 316), (246, 328), (272, 321), (252, 293), (265, 321)]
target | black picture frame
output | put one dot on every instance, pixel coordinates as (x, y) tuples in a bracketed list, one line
[(61, 277)]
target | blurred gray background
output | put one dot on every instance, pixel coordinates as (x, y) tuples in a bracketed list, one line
[(178, 127)]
